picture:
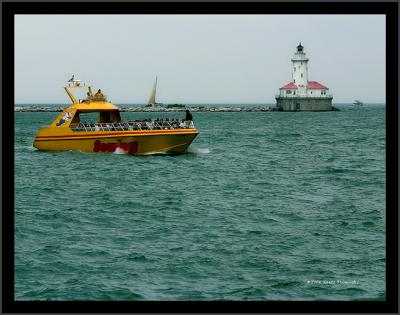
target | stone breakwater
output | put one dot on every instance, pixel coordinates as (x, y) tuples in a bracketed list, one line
[(33, 108)]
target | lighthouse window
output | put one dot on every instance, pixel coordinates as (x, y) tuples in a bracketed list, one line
[(288, 92), (301, 75)]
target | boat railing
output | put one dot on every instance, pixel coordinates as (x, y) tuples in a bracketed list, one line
[(132, 125)]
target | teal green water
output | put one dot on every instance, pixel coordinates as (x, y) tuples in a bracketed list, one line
[(265, 206)]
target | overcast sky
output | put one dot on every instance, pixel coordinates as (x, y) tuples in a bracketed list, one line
[(197, 58)]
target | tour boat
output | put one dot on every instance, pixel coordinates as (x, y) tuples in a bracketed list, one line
[(109, 133), (358, 103)]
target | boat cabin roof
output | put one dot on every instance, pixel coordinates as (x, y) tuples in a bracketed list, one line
[(92, 103), (94, 106)]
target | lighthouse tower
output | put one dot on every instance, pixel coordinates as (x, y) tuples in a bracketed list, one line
[(302, 94), (300, 69)]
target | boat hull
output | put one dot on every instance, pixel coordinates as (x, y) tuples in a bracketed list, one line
[(129, 142)]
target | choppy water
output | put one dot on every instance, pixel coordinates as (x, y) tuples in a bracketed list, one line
[(265, 206)]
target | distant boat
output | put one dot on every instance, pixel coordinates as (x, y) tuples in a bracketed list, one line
[(358, 103), (152, 99)]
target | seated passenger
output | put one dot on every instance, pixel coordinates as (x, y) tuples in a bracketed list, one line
[(150, 125)]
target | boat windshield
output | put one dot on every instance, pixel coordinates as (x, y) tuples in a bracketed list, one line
[(96, 117), (89, 117)]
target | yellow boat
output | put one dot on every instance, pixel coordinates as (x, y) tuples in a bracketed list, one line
[(110, 133)]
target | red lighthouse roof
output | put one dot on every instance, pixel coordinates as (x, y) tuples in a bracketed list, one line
[(289, 86), (314, 85)]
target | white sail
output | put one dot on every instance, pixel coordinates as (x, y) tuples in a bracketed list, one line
[(152, 98)]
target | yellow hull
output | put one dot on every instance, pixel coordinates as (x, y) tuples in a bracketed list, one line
[(130, 142)]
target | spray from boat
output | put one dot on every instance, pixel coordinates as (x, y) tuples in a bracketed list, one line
[(196, 150)]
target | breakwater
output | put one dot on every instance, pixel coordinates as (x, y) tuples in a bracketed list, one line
[(39, 108)]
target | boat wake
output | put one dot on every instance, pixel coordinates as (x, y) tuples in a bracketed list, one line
[(196, 150), (191, 150)]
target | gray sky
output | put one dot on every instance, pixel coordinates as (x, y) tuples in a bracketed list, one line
[(197, 58)]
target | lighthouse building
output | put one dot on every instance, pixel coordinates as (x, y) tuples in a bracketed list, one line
[(302, 94)]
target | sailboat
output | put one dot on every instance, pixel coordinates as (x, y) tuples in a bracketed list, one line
[(358, 103), (152, 99)]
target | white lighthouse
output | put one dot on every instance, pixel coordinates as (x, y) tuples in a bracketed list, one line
[(301, 94), (300, 67)]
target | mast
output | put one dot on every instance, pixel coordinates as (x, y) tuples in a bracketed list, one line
[(73, 99), (74, 83), (152, 98)]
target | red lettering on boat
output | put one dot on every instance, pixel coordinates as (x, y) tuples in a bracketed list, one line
[(131, 147), (96, 147)]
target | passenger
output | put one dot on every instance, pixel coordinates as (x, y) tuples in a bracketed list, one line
[(98, 94), (151, 125), (188, 115)]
